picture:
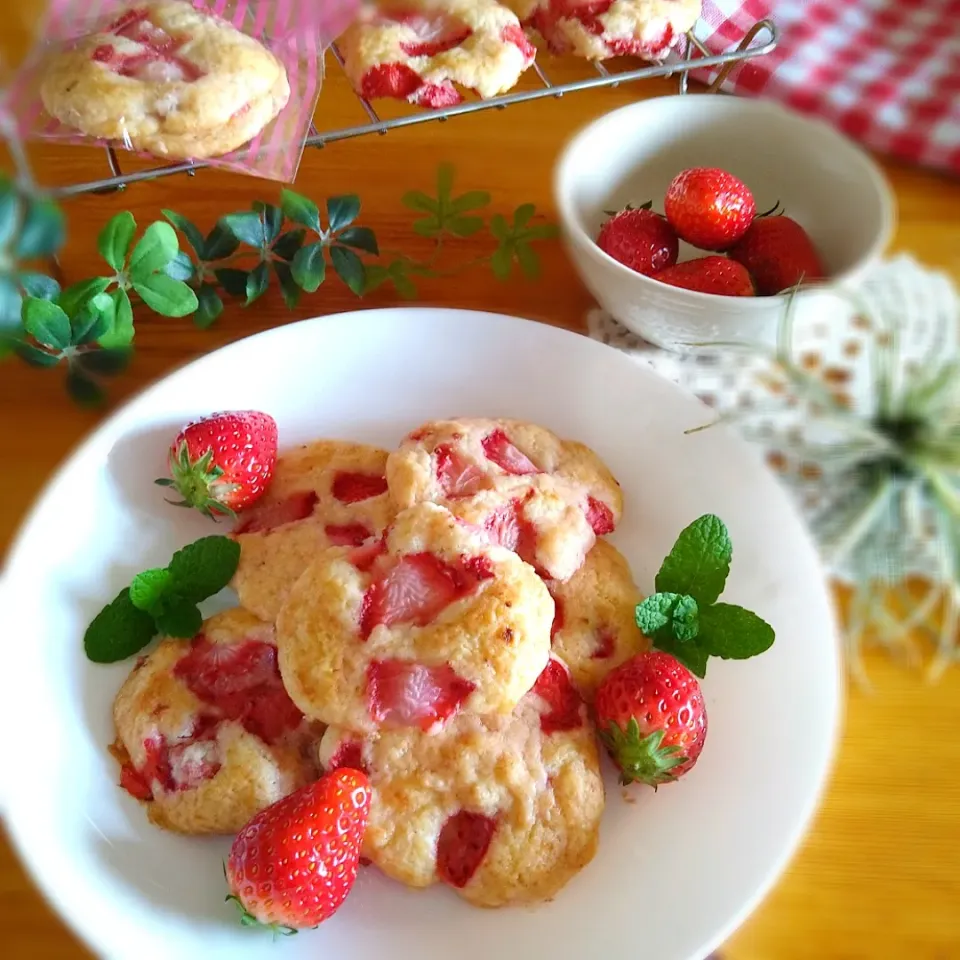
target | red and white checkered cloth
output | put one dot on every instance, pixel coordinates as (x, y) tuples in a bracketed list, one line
[(886, 72)]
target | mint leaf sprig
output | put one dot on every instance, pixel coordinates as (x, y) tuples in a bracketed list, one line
[(162, 600), (684, 618)]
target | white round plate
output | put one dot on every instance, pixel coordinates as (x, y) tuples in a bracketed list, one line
[(677, 869)]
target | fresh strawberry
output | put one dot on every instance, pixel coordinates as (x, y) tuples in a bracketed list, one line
[(651, 718), (403, 693), (462, 846), (224, 462), (294, 863), (709, 208), (779, 253), (716, 275), (639, 239)]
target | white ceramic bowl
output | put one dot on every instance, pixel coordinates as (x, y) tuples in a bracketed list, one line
[(822, 180)]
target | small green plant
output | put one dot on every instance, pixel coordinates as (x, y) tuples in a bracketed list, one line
[(445, 218), (90, 326)]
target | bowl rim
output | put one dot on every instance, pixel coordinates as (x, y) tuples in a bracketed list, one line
[(574, 230)]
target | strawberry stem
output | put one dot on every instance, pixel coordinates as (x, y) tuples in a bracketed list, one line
[(247, 919), (773, 210), (641, 758), (198, 483)]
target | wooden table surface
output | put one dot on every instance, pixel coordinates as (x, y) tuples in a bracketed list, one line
[(877, 876)]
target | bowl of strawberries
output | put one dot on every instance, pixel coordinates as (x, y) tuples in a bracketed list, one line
[(695, 220)]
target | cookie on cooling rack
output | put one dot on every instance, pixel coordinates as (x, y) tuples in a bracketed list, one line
[(418, 50), (594, 625), (206, 734), (412, 629), (323, 494), (169, 80), (525, 488), (610, 28), (504, 809)]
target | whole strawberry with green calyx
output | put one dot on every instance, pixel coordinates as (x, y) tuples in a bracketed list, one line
[(716, 275), (779, 254), (709, 208), (223, 463), (650, 712), (293, 865), (651, 718), (639, 239)]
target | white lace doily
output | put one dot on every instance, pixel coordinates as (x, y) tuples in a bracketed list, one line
[(898, 299)]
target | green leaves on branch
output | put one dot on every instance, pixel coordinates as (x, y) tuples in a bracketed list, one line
[(277, 241), (175, 269), (458, 217)]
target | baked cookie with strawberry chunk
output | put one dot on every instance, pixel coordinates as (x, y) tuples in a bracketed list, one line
[(545, 498), (595, 620), (206, 734), (326, 493), (166, 79), (411, 630), (419, 50), (600, 29), (503, 809)]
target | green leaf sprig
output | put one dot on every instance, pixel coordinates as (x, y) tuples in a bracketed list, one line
[(89, 326), (162, 600), (447, 217), (684, 617)]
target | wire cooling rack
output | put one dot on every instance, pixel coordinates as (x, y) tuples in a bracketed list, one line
[(759, 41)]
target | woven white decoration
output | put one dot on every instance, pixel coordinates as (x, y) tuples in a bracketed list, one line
[(836, 408)]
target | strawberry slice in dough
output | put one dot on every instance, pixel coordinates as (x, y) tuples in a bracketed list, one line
[(508, 527), (564, 707), (242, 681), (347, 534), (498, 449), (458, 476), (355, 487), (403, 693), (600, 517), (414, 590), (435, 33), (349, 754), (462, 845), (298, 506)]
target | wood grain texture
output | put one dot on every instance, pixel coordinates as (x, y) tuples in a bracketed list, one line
[(877, 877)]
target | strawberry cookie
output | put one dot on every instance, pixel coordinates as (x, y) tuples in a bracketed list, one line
[(206, 735), (416, 50), (525, 488), (169, 80), (594, 625), (504, 809), (328, 493), (409, 630), (600, 29)]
